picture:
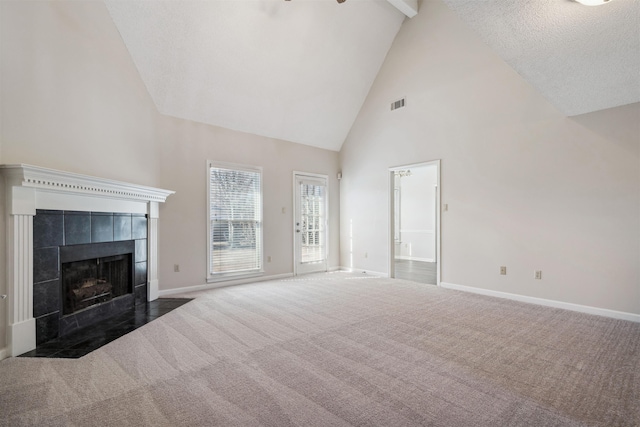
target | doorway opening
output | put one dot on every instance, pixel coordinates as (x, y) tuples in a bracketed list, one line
[(415, 222)]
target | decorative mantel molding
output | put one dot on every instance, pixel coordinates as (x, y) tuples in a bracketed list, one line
[(28, 188), (73, 183)]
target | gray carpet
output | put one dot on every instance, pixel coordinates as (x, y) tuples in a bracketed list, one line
[(341, 350)]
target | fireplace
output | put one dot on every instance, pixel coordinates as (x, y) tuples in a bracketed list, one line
[(95, 274), (88, 267), (48, 210)]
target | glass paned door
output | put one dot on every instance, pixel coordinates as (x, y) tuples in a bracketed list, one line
[(310, 225)]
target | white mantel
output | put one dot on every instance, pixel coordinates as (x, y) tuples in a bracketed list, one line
[(28, 188)]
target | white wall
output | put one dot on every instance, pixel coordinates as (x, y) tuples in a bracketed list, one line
[(3, 266), (417, 214), (526, 187), (72, 99), (185, 147)]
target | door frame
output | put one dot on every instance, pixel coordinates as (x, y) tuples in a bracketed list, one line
[(391, 241), (301, 174)]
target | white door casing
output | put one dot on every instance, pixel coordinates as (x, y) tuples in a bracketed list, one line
[(393, 223)]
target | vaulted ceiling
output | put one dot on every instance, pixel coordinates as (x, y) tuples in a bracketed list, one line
[(581, 58), (300, 70), (294, 70)]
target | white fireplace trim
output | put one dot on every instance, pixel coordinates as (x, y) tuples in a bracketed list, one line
[(28, 188), (73, 183)]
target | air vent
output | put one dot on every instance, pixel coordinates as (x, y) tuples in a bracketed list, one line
[(397, 104)]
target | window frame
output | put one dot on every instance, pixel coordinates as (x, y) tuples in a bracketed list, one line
[(225, 276)]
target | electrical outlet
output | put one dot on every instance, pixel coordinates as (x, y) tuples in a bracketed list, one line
[(269, 259), (503, 270), (366, 254), (176, 268), (538, 274), (445, 207)]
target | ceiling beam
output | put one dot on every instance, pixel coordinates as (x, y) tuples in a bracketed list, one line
[(408, 7)]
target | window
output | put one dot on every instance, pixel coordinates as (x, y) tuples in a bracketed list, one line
[(235, 221), (312, 204)]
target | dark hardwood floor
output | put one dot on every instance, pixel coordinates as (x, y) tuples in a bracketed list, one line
[(416, 271)]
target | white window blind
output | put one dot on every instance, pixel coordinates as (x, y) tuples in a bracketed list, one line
[(235, 215)]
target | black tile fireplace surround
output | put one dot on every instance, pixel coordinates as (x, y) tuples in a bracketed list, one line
[(62, 236)]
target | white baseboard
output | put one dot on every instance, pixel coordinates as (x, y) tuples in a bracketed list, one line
[(359, 270), (21, 336), (4, 353), (412, 258), (547, 302), (152, 290), (186, 289)]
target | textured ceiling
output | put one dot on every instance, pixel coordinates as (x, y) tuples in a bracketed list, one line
[(297, 70), (581, 58), (300, 70)]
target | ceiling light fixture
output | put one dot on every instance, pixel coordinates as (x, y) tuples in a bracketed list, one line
[(592, 2)]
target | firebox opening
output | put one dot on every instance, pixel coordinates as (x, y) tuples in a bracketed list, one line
[(96, 276), (90, 282)]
